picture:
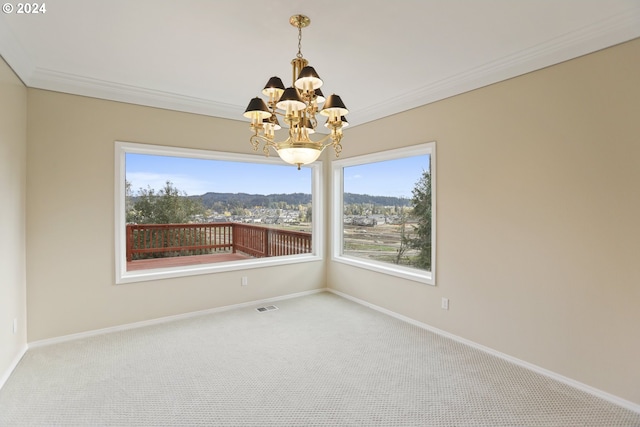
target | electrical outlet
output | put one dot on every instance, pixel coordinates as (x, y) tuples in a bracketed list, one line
[(15, 325), (244, 281), (445, 303)]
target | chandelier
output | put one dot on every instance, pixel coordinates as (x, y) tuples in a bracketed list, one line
[(298, 106)]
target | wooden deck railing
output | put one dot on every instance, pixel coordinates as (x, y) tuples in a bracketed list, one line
[(261, 242), (154, 240)]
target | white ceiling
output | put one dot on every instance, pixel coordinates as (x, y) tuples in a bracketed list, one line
[(382, 57)]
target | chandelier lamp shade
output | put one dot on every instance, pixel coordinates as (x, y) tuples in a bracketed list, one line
[(298, 107)]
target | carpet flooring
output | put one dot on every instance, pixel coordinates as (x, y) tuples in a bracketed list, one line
[(317, 360)]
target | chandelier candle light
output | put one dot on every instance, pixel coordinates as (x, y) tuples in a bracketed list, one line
[(298, 106)]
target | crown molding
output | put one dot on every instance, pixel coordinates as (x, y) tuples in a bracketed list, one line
[(14, 54), (606, 33), (103, 89)]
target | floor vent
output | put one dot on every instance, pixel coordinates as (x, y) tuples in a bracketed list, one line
[(267, 308)]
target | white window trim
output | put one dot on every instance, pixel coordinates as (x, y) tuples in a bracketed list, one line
[(124, 276), (337, 177)]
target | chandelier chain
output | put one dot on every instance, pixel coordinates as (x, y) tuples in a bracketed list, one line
[(299, 54)]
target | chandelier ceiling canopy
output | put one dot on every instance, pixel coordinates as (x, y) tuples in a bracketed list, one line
[(298, 106)]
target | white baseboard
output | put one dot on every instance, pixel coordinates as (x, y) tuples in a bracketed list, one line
[(581, 386), (71, 337), (5, 376), (553, 375)]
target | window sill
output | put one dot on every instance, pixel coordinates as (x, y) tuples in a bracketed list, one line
[(123, 277), (408, 273)]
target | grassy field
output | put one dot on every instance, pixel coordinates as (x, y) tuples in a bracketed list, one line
[(379, 243)]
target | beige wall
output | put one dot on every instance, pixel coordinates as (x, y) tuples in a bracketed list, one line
[(13, 172), (538, 210), (538, 203), (70, 216)]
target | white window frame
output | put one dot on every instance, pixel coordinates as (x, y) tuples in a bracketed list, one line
[(337, 229), (124, 276)]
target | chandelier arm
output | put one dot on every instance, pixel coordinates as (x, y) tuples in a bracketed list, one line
[(337, 146), (313, 120), (256, 139), (323, 141)]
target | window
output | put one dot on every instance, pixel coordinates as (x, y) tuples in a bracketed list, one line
[(182, 211), (383, 213)]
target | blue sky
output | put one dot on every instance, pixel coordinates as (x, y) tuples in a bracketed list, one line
[(389, 178), (199, 176)]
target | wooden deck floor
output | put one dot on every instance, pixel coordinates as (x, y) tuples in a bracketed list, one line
[(145, 264)]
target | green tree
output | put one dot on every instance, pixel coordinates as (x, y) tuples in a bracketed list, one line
[(128, 201), (308, 214), (169, 205), (405, 240), (421, 202)]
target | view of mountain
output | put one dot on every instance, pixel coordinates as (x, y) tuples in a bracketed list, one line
[(252, 200), (273, 200), (357, 199)]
